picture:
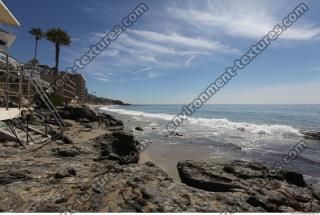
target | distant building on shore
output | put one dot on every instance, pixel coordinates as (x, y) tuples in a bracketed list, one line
[(81, 90), (73, 89), (17, 80)]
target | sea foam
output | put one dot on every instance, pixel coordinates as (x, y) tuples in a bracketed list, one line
[(263, 129)]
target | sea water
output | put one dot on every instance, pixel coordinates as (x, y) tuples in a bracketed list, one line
[(262, 133)]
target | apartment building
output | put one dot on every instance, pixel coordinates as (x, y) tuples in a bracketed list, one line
[(81, 91), (73, 89)]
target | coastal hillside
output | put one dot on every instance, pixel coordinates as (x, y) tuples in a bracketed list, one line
[(104, 101)]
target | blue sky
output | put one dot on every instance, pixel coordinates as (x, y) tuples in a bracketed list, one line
[(177, 48)]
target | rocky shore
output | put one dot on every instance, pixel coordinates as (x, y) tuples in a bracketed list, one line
[(100, 173)]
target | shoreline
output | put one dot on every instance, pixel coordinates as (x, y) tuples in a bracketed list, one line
[(166, 156), (212, 142), (99, 173)]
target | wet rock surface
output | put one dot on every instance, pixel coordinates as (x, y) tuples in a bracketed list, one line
[(315, 135), (282, 192), (102, 175), (85, 116), (77, 113), (49, 180), (121, 146), (138, 129), (8, 177), (110, 121), (91, 178)]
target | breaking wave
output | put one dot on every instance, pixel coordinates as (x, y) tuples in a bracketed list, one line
[(262, 129)]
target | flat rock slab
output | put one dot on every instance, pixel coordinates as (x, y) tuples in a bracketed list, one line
[(285, 191)]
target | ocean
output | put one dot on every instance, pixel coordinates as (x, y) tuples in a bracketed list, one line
[(262, 133)]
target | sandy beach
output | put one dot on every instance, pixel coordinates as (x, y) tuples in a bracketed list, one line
[(167, 156), (96, 167)]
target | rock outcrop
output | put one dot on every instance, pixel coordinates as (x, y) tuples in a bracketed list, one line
[(120, 146), (138, 129), (64, 178), (110, 121), (85, 116), (51, 179), (77, 113), (283, 192), (311, 134), (102, 175), (92, 177)]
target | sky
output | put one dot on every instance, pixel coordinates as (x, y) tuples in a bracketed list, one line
[(177, 48)]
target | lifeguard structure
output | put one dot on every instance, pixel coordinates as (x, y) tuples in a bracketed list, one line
[(19, 86)]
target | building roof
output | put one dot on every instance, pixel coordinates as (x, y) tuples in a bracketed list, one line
[(6, 17)]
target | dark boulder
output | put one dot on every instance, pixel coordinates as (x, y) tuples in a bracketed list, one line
[(65, 173), (77, 113), (13, 176), (60, 136), (120, 145), (311, 134), (294, 178), (55, 122), (109, 121), (66, 152), (178, 134), (90, 125), (138, 129), (285, 191), (205, 177)]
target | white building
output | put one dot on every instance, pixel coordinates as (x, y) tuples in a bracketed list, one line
[(10, 76)]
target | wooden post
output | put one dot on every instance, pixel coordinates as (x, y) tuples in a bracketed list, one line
[(20, 87), (7, 81)]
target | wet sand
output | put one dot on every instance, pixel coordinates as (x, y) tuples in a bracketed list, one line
[(167, 156), (79, 134), (163, 152)]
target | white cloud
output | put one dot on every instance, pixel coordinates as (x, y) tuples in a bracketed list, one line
[(177, 39), (143, 70), (189, 61), (110, 52), (103, 79), (164, 50), (192, 30), (248, 19), (99, 74)]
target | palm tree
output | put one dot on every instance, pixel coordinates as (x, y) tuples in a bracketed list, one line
[(38, 34), (33, 62), (60, 38)]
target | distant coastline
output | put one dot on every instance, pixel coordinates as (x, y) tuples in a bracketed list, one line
[(95, 100)]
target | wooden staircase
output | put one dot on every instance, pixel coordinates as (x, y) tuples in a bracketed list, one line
[(16, 74), (15, 130)]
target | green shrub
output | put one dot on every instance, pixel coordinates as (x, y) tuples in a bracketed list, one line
[(56, 99)]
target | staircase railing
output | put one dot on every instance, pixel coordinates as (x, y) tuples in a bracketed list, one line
[(10, 71), (14, 68), (44, 97)]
